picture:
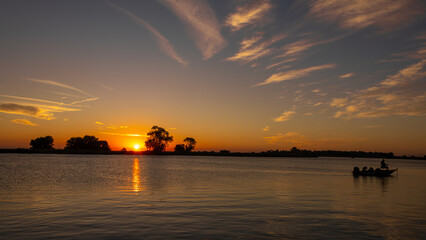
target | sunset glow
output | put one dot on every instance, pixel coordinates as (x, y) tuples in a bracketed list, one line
[(236, 75)]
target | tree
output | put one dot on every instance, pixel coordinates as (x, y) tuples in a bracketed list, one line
[(42, 143), (87, 143), (189, 144), (180, 148), (158, 139)]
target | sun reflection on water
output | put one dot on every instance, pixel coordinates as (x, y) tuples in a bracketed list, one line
[(136, 179)]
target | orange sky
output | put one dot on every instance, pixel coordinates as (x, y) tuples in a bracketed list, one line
[(242, 76)]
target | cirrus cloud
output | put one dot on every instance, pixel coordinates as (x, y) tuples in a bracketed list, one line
[(251, 13), (24, 122), (202, 22), (402, 93), (358, 14), (294, 74)]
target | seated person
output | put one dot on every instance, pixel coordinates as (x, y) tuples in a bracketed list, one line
[(384, 164)]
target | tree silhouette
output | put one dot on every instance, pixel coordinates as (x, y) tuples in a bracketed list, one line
[(189, 144), (180, 148), (42, 143), (158, 139), (87, 143)]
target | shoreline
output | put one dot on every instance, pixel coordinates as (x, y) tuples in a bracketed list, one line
[(299, 153)]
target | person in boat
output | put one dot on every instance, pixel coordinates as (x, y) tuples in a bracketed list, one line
[(384, 164)]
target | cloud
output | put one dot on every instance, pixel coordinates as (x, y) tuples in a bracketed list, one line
[(162, 42), (285, 116), (13, 108), (105, 86), (253, 48), (265, 129), (24, 122), (34, 107), (399, 94), (358, 14), (99, 123), (296, 48), (338, 102), (294, 138), (281, 62), (37, 111), (124, 134), (294, 74), (347, 75), (251, 13), (32, 99), (84, 100), (202, 22), (53, 83)]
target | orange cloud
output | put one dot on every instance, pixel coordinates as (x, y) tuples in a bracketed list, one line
[(253, 48), (347, 75), (399, 94), (358, 14), (251, 13), (293, 74), (24, 122), (285, 116), (34, 110), (124, 134)]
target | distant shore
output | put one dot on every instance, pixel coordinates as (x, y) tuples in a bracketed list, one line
[(270, 153)]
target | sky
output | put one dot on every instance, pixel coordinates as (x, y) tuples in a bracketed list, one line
[(236, 75)]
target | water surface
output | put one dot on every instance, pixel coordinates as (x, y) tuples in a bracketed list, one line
[(181, 197)]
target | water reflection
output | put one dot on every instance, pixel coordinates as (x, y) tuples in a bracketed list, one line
[(368, 182), (136, 177)]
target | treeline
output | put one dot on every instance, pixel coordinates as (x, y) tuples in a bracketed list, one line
[(157, 141), (86, 144)]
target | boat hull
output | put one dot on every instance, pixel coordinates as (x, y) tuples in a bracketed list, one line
[(377, 173)]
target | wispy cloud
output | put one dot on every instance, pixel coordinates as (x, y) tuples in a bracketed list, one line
[(358, 14), (347, 75), (265, 129), (53, 83), (99, 123), (419, 53), (32, 99), (285, 116), (24, 122), (399, 94), (296, 48), (19, 109), (202, 22), (253, 48), (39, 108), (124, 134), (84, 100), (162, 42), (281, 62), (250, 13), (37, 111), (294, 138), (294, 74), (105, 86)]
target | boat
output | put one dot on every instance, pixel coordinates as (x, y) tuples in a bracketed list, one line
[(378, 172)]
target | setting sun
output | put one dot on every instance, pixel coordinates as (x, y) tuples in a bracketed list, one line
[(136, 146)]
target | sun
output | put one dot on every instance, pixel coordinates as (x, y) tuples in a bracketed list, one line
[(136, 146)]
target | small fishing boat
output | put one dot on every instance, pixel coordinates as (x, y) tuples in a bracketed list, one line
[(378, 172)]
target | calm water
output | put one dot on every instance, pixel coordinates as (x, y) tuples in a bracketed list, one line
[(172, 197)]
